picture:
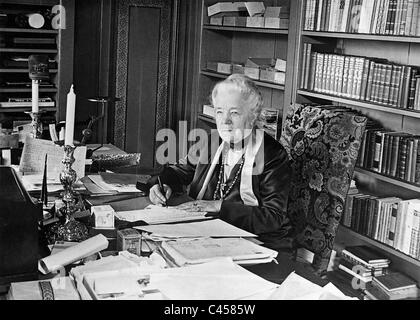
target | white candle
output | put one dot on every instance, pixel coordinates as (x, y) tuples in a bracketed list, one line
[(35, 96), (70, 111)]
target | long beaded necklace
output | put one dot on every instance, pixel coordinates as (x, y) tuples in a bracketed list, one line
[(220, 193)]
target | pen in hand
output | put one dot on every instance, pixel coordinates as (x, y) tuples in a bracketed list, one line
[(162, 190)]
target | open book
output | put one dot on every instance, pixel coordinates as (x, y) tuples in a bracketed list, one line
[(155, 215)]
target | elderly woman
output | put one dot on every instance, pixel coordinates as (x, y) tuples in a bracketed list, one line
[(246, 181)]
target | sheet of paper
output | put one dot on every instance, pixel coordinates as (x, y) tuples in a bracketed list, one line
[(208, 249), (81, 250), (154, 215), (217, 280), (208, 228), (33, 158), (296, 287), (118, 185)]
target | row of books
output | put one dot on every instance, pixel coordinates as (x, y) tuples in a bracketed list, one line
[(363, 263), (362, 78), (392, 221), (394, 154), (384, 17)]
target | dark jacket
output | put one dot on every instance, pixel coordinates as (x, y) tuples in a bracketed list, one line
[(269, 219)]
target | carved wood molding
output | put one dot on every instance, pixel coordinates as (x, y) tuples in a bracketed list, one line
[(122, 64)]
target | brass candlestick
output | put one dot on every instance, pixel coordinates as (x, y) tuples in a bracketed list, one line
[(70, 230), (36, 123)]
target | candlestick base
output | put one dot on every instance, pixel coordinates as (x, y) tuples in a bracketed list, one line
[(70, 230), (36, 123)]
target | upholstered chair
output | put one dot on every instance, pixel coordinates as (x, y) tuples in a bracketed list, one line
[(323, 145)]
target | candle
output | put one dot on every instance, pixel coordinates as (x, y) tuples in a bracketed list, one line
[(35, 96), (70, 111)]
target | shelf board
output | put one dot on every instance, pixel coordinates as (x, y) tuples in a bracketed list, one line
[(394, 181), (257, 82), (34, 50), (23, 109), (361, 36), (27, 89), (358, 103), (16, 70), (23, 30), (245, 29), (379, 245), (206, 118)]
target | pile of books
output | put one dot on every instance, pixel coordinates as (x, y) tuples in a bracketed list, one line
[(363, 263), (392, 286), (389, 17)]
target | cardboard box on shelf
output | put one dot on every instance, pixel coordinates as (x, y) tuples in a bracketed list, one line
[(234, 21), (255, 9), (255, 22), (260, 62), (252, 72), (238, 68), (216, 21), (224, 67), (222, 8), (274, 17), (208, 110), (280, 65), (272, 75)]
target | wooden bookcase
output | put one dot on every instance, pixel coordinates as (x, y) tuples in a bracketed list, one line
[(61, 76), (236, 44), (397, 49)]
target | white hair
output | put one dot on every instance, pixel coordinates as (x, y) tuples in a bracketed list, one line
[(249, 91)]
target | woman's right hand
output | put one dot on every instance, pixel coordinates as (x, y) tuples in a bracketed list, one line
[(156, 196)]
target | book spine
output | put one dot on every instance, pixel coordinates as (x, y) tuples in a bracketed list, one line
[(313, 71), (304, 62), (395, 155), (409, 160), (384, 22), (402, 161), (412, 90), (365, 75), (381, 84), (414, 20), (389, 144), (362, 151), (377, 151), (410, 9), (370, 81), (386, 149), (414, 160), (346, 76), (308, 65), (387, 84)]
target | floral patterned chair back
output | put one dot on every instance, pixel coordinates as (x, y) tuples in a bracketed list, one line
[(323, 145)]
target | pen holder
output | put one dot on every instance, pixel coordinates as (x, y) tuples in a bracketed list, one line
[(36, 123), (70, 229)]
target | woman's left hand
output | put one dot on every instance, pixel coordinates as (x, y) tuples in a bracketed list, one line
[(201, 205)]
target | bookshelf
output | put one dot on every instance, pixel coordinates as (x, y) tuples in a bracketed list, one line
[(222, 43), (18, 42), (400, 50)]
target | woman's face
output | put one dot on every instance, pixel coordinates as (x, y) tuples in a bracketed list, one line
[(233, 116)]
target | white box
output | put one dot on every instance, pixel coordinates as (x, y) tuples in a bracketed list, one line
[(224, 67), (225, 7), (280, 65), (253, 73), (209, 111), (255, 22), (104, 216)]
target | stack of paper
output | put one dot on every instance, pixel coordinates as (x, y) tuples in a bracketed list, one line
[(154, 215), (111, 183), (195, 251)]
